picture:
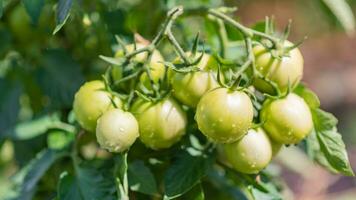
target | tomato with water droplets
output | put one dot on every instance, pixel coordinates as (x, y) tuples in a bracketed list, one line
[(284, 71), (188, 88), (161, 123), (251, 153), (224, 115), (90, 102), (287, 120), (117, 130)]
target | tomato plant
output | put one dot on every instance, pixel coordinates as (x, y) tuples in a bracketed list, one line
[(153, 100)]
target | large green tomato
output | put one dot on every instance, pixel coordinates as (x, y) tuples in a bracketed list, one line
[(251, 153), (157, 68), (188, 88), (224, 115), (162, 124), (287, 120), (117, 130), (284, 71), (90, 102)]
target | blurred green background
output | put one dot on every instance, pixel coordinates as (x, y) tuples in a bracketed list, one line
[(40, 72)]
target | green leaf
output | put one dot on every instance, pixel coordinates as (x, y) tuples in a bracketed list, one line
[(269, 192), (330, 141), (141, 179), (343, 13), (92, 180), (25, 181), (68, 187), (186, 171), (34, 8), (9, 104), (59, 78), (196, 193), (63, 12), (309, 96), (225, 184)]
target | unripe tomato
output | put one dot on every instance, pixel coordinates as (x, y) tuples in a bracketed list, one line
[(90, 102), (188, 88), (224, 115), (288, 69), (287, 120), (251, 153), (157, 68), (117, 130), (162, 124)]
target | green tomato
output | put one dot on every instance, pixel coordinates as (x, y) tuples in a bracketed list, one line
[(251, 153), (188, 88), (90, 102), (117, 130), (162, 124), (284, 71), (224, 115), (287, 120)]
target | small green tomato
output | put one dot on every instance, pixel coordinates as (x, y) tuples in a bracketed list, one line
[(117, 130), (251, 153), (188, 88), (162, 124), (282, 71), (287, 120), (224, 115), (90, 102)]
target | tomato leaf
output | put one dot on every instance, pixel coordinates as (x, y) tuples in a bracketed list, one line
[(196, 193), (309, 96), (92, 180), (342, 12), (24, 182), (34, 8), (59, 77), (141, 179), (330, 142), (186, 171), (9, 105), (63, 12)]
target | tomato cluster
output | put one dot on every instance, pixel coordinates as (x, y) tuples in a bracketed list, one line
[(248, 136)]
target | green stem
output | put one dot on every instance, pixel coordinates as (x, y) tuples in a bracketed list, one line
[(247, 32), (178, 48), (224, 40)]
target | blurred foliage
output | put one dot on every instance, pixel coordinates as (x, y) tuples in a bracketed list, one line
[(47, 50)]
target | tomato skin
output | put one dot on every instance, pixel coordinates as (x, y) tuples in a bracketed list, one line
[(287, 120), (251, 153), (188, 88), (117, 130), (90, 103), (224, 115), (288, 69), (162, 124)]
